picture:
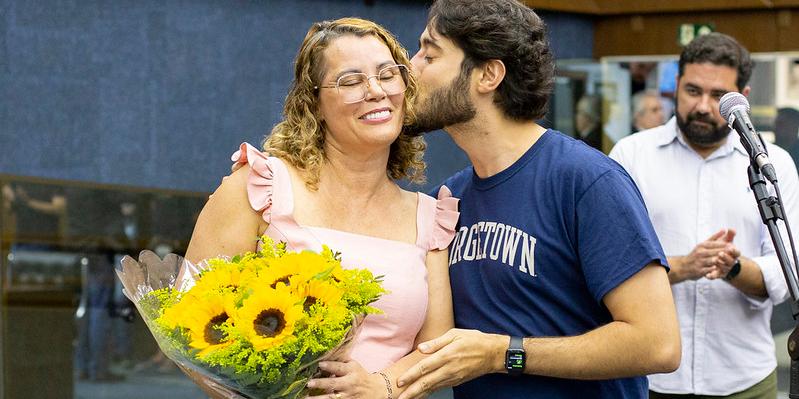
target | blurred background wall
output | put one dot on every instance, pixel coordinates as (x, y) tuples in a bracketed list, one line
[(160, 93)]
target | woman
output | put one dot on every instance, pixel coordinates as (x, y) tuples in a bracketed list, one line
[(331, 180)]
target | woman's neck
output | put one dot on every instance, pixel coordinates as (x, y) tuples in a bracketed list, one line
[(354, 176)]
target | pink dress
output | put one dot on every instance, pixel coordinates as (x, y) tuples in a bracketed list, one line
[(387, 337)]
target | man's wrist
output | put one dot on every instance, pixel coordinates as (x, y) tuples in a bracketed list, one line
[(734, 270), (499, 349), (675, 269)]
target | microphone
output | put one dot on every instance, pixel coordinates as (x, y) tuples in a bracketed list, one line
[(734, 108)]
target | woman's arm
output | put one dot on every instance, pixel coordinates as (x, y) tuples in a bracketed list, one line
[(227, 225), (439, 317), (355, 382)]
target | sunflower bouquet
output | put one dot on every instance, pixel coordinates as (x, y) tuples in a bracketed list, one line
[(257, 324)]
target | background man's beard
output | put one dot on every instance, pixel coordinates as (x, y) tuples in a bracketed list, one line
[(699, 135), (445, 106)]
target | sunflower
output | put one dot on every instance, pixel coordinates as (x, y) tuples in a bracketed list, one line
[(268, 316), (315, 291), (204, 317), (223, 278), (279, 271)]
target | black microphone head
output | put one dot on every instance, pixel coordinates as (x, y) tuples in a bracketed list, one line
[(730, 101)]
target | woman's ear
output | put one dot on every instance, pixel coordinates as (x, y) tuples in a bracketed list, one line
[(491, 75)]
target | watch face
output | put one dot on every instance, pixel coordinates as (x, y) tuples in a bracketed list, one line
[(515, 360)]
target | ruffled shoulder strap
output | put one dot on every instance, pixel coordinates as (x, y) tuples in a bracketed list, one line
[(436, 219), (268, 185)]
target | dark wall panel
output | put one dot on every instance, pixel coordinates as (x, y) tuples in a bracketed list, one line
[(158, 94)]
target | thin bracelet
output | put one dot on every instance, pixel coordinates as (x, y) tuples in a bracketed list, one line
[(388, 385)]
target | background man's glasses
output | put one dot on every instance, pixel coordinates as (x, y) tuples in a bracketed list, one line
[(354, 87)]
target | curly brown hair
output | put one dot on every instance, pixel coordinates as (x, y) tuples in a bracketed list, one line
[(505, 30), (299, 138)]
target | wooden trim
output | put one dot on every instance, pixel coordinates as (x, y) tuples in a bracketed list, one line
[(757, 30), (626, 7), (6, 178), (575, 6)]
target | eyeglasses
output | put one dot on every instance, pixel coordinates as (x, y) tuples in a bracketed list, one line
[(354, 87)]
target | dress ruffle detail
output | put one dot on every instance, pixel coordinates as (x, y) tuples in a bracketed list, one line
[(446, 219), (260, 183)]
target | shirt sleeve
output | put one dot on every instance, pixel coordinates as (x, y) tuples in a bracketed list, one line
[(615, 238), (773, 276), (619, 153)]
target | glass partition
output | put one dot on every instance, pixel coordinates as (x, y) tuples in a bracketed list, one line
[(67, 331)]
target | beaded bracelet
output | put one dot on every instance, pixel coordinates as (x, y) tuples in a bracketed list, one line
[(388, 385)]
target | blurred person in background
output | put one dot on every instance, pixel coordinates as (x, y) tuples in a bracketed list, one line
[(647, 110), (588, 120), (786, 131)]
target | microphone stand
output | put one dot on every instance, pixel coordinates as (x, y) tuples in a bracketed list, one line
[(770, 212)]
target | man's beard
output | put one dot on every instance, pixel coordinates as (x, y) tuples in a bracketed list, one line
[(445, 106), (701, 135)]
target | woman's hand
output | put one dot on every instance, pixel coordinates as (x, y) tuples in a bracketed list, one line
[(348, 380)]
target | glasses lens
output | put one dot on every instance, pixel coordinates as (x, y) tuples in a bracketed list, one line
[(352, 87), (391, 79)]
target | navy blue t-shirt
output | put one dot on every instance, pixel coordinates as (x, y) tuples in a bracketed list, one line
[(538, 247)]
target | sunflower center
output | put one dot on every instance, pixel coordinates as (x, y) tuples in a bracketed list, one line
[(269, 323), (213, 334), (284, 280), (233, 288), (309, 301)]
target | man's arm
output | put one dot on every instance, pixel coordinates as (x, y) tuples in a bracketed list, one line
[(714, 258), (643, 338), (749, 280)]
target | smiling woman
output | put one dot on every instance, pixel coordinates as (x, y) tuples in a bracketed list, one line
[(330, 51), (330, 178)]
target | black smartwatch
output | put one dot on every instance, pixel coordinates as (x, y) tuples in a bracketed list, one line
[(515, 357), (734, 270)]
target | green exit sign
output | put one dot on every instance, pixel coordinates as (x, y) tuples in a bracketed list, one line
[(688, 32)]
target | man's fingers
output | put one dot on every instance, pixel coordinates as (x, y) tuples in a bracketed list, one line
[(424, 367), (434, 345), (710, 247), (726, 258), (416, 389), (733, 251), (423, 386), (717, 235)]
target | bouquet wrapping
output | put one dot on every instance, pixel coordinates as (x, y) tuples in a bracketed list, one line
[(258, 323)]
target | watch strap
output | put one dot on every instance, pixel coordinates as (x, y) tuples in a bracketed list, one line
[(516, 343), (734, 270)]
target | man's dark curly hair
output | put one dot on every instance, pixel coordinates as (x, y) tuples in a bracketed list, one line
[(719, 49), (505, 30)]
